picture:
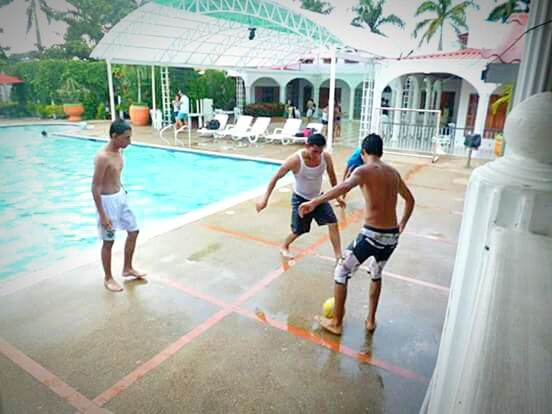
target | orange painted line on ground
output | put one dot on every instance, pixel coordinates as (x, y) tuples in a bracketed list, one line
[(45, 377), (239, 235), (413, 172), (430, 187), (298, 332), (335, 346), (192, 292), (158, 359), (408, 279), (261, 284), (173, 348)]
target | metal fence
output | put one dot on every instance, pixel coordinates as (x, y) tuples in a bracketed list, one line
[(426, 137)]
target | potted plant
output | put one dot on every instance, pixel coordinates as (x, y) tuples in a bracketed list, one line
[(139, 112), (70, 93)]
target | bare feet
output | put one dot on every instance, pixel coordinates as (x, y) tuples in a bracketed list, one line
[(134, 273), (286, 254), (370, 326), (328, 324), (113, 286)]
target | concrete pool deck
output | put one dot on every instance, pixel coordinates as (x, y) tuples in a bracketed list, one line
[(223, 325)]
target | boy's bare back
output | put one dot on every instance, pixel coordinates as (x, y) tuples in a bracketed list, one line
[(380, 184)]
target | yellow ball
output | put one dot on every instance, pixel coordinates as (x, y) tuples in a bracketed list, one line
[(328, 308)]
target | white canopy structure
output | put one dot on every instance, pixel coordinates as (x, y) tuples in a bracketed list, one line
[(216, 33), (230, 34)]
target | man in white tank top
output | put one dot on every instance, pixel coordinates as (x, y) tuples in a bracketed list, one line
[(308, 167)]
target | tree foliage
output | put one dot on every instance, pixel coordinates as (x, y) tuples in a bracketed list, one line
[(370, 14), (89, 20), (505, 10), (33, 8), (317, 6), (445, 12)]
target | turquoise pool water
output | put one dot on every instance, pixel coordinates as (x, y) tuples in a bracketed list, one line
[(46, 208)]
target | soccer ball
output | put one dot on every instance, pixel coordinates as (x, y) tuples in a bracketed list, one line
[(328, 308)]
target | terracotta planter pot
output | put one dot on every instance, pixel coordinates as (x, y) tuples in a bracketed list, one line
[(73, 111), (139, 115), (499, 146)]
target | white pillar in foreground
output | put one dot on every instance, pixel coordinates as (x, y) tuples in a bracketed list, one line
[(481, 115), (495, 355), (331, 103), (111, 94), (535, 72)]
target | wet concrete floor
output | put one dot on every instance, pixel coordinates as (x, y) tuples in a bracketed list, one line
[(223, 325)]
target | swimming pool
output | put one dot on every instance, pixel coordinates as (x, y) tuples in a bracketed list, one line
[(46, 208)]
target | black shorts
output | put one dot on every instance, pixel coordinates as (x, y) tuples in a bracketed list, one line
[(323, 214)]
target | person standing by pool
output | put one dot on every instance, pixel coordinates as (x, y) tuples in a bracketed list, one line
[(111, 203), (353, 162), (311, 107), (308, 166), (381, 185)]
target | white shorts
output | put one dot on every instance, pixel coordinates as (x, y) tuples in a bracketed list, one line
[(117, 210)]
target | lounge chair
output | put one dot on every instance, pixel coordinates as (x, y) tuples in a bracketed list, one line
[(259, 129), (316, 126), (223, 120), (313, 125), (242, 125), (287, 133)]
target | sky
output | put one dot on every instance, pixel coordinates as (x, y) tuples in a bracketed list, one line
[(13, 20)]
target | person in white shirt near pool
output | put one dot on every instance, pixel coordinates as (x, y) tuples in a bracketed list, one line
[(111, 203)]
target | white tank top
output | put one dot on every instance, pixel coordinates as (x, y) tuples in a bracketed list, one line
[(308, 181)]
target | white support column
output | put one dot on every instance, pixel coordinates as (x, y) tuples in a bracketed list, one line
[(316, 91), (481, 115), (301, 98), (331, 103), (351, 103), (153, 99), (463, 105), (283, 88), (111, 94), (248, 89), (535, 73), (396, 115)]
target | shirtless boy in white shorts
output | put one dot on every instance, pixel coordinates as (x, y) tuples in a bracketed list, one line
[(111, 203)]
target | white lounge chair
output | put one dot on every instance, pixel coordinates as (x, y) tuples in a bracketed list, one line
[(313, 125), (259, 129), (242, 125), (223, 120), (316, 126), (287, 133)]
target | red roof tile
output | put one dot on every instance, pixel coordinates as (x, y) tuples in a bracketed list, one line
[(469, 53), (8, 80)]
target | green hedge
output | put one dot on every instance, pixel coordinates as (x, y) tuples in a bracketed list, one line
[(264, 109), (44, 81)]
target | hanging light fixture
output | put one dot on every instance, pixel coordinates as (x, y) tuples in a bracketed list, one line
[(252, 33)]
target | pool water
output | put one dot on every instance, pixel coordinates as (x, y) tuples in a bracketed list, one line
[(47, 212)]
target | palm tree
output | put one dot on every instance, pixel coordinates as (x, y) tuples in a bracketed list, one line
[(317, 6), (32, 16), (3, 56), (445, 11), (371, 15), (504, 10)]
